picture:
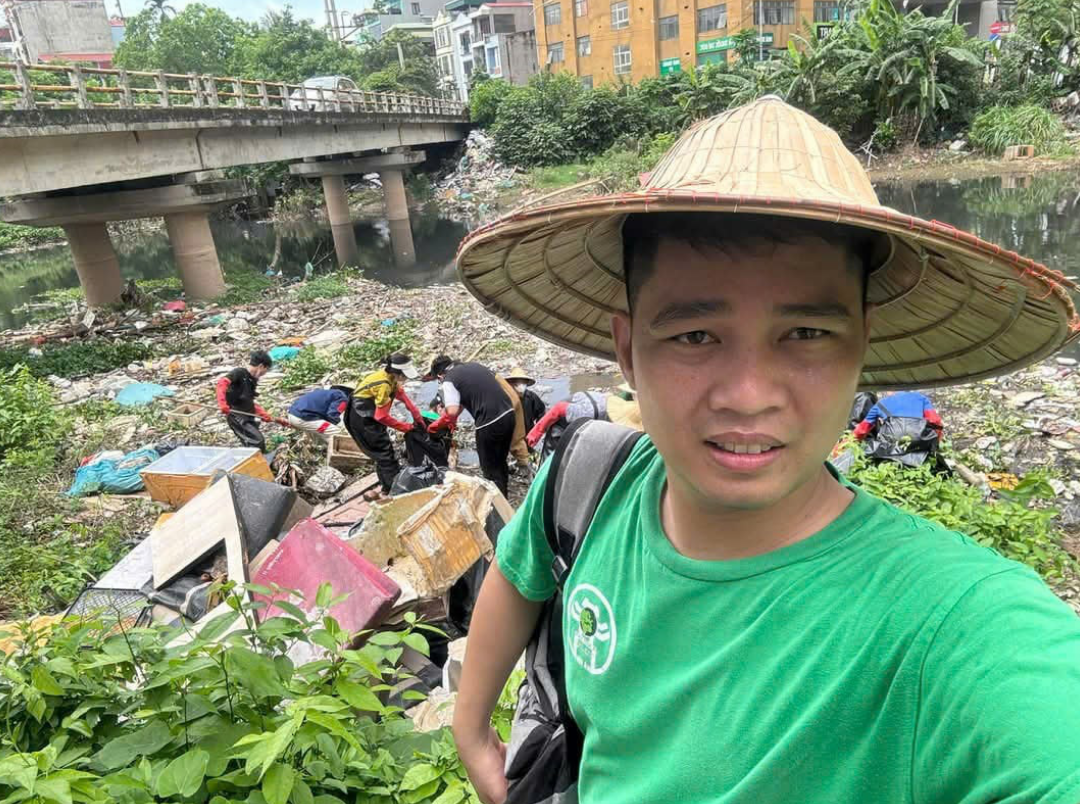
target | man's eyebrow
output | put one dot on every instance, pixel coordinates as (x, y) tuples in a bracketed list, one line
[(822, 310), (681, 311)]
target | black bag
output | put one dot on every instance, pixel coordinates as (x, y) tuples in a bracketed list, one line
[(864, 400), (906, 440), (544, 755), (414, 478)]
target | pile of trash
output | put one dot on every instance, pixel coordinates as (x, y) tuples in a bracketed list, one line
[(471, 190), (422, 553)]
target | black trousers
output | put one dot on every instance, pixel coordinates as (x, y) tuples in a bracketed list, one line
[(493, 448), (420, 444), (375, 442), (247, 430)]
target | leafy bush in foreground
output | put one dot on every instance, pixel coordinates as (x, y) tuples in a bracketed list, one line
[(98, 713)]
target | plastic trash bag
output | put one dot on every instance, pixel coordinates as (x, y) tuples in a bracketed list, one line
[(107, 476), (414, 478), (905, 440), (282, 353), (141, 393), (864, 400)]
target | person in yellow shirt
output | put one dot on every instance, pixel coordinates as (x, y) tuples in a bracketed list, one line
[(369, 415)]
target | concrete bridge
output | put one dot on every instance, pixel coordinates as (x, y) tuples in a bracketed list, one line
[(96, 145)]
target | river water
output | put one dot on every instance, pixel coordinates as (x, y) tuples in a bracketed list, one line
[(1033, 215)]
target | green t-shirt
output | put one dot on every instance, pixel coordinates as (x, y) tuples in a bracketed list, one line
[(883, 659)]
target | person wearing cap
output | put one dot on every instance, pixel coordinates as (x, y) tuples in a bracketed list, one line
[(317, 413), (368, 415), (473, 387), (905, 404), (532, 406), (753, 627), (236, 393)]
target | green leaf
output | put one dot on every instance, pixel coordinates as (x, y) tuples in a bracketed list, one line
[(334, 726), (416, 642), (323, 639), (386, 638), (58, 790), (19, 770), (218, 626), (357, 695), (277, 784), (144, 742), (419, 775), (45, 681), (452, 794), (292, 610), (267, 752), (301, 793), (421, 793), (324, 595), (184, 775), (255, 672), (35, 703)]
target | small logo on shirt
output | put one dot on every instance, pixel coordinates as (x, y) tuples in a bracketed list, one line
[(590, 623)]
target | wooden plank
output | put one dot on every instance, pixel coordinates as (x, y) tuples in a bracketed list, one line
[(193, 532)]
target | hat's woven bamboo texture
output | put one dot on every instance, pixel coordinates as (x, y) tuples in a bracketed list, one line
[(949, 306)]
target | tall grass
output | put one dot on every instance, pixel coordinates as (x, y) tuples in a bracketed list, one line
[(1001, 126)]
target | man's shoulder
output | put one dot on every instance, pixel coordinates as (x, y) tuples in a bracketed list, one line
[(238, 373), (927, 555)]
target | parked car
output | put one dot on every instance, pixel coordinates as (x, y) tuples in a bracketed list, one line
[(330, 85)]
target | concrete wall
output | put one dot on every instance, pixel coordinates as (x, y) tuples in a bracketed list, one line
[(519, 57), (61, 27)]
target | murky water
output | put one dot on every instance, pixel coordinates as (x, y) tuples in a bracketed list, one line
[(1034, 215), (241, 245)]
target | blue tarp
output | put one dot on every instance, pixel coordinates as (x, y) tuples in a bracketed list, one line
[(113, 477), (141, 393)]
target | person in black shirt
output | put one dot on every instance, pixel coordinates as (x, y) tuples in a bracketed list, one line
[(473, 387), (236, 393), (531, 403)]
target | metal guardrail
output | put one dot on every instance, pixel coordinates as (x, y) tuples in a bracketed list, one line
[(96, 88)]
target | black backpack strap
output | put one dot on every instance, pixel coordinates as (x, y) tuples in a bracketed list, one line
[(589, 455)]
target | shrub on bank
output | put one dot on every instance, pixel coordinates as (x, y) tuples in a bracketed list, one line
[(15, 236), (1001, 126)]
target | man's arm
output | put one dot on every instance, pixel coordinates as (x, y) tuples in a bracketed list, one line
[(222, 387), (501, 626), (382, 416), (403, 398)]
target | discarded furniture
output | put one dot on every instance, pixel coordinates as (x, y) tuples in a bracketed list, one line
[(1019, 152), (343, 453), (186, 471)]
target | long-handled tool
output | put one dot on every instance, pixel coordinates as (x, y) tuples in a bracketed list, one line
[(282, 422)]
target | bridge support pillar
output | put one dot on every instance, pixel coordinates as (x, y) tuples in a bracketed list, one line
[(337, 210), (95, 262), (195, 254), (397, 214)]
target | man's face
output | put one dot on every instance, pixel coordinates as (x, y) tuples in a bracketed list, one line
[(745, 365)]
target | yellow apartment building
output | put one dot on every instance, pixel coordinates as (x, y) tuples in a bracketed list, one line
[(616, 41)]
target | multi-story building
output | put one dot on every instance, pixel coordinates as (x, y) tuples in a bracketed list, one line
[(419, 14), (497, 38), (614, 41), (51, 30)]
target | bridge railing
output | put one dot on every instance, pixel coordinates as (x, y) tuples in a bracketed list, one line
[(48, 86)]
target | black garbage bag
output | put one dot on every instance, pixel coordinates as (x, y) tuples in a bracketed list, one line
[(864, 400), (905, 440), (188, 594), (414, 478)]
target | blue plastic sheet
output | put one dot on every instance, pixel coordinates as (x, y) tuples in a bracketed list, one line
[(280, 353), (113, 477), (141, 393)]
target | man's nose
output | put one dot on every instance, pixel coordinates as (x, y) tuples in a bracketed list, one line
[(747, 382)]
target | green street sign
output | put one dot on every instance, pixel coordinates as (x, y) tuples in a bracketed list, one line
[(728, 42), (670, 66)]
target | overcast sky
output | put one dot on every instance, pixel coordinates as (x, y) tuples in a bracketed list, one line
[(252, 9)]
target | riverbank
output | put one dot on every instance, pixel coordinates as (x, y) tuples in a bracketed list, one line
[(1023, 427)]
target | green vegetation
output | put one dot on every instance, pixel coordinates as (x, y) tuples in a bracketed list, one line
[(322, 287), (280, 47), (14, 236), (76, 359), (100, 712), (400, 336), (1010, 525), (882, 76), (1001, 126), (308, 368), (28, 420)]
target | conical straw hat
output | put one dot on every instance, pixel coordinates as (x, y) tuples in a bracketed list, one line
[(949, 306), (518, 373)]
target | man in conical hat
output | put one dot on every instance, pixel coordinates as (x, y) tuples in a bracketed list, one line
[(751, 627)]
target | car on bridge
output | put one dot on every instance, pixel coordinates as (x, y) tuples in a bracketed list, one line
[(321, 91)]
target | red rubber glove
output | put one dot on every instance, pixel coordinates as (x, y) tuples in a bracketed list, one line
[(445, 421)]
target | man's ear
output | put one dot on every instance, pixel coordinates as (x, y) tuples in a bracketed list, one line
[(621, 334)]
